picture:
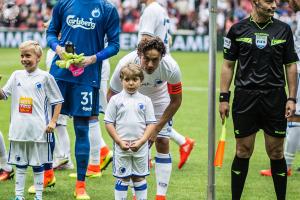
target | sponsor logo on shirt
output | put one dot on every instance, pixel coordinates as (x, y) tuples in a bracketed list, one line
[(25, 105), (87, 109), (76, 22)]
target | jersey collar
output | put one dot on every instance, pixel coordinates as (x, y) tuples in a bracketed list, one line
[(267, 23)]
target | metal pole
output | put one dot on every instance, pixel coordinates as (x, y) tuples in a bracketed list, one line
[(212, 98)]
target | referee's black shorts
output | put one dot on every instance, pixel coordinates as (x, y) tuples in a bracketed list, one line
[(259, 109)]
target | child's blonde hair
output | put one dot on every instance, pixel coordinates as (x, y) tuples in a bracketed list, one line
[(132, 70), (32, 45)]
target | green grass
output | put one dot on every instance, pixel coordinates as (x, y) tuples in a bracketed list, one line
[(190, 183)]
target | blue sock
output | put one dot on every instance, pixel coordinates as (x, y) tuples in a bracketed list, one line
[(82, 146), (47, 166)]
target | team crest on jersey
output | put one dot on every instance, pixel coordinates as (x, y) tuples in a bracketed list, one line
[(261, 40), (96, 12), (38, 85), (141, 106)]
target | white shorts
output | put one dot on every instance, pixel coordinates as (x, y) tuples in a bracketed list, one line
[(103, 85), (34, 154), (129, 163), (102, 96), (62, 120), (166, 130), (293, 124)]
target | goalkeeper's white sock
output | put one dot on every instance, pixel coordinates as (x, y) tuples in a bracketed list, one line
[(64, 141), (95, 141)]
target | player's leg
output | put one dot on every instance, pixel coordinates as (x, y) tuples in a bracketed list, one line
[(62, 154), (38, 177), (20, 181), (274, 148), (49, 179), (246, 123), (95, 141), (275, 125), (163, 162), (82, 109), (122, 166), (240, 165), (140, 169), (291, 144), (186, 146), (7, 171), (105, 153)]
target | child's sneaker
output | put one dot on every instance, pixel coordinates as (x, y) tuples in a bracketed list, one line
[(160, 197), (19, 198)]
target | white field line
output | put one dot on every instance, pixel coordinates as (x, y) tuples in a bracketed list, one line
[(196, 89)]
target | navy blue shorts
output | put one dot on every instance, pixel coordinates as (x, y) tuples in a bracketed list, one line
[(79, 100)]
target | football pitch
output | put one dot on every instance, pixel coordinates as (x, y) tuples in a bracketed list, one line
[(189, 183)]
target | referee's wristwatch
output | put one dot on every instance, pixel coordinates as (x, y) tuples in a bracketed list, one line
[(292, 99)]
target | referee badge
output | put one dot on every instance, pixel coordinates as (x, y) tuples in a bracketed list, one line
[(261, 41)]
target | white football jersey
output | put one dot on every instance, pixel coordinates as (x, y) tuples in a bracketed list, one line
[(154, 85), (130, 113), (155, 22), (32, 95)]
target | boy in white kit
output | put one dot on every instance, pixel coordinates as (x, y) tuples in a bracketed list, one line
[(33, 92), (130, 119)]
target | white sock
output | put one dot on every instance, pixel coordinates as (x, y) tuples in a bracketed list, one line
[(292, 141), (132, 187), (38, 184), (177, 137), (163, 169), (95, 142), (140, 190), (121, 188), (102, 142), (3, 156), (64, 141), (20, 181)]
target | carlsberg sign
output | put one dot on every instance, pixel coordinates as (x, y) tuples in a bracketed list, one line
[(128, 41)]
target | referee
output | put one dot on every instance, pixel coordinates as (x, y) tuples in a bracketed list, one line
[(263, 47)]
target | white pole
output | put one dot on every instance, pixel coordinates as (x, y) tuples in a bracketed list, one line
[(212, 98)]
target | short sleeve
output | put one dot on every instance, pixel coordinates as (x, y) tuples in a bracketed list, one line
[(230, 46), (8, 87), (115, 81), (52, 91), (111, 111), (150, 117), (290, 55)]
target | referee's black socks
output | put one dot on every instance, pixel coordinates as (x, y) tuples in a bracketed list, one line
[(279, 175), (239, 171)]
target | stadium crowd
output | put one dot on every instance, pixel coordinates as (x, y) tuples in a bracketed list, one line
[(192, 15)]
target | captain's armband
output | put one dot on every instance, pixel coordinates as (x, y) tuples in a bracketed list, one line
[(175, 88)]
